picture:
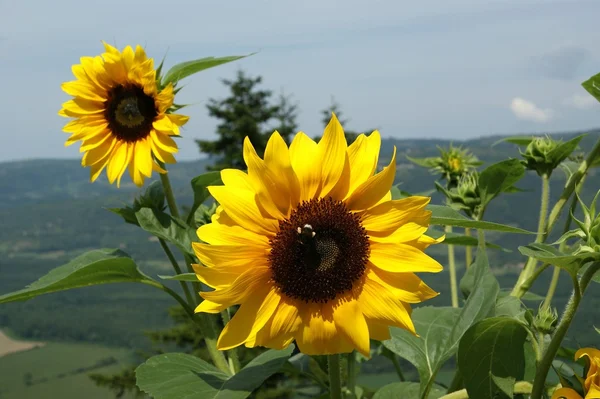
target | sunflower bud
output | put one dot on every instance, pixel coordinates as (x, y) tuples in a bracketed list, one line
[(452, 163), (465, 196), (540, 155), (546, 319), (589, 228)]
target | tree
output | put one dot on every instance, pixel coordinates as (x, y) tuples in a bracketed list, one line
[(244, 113), (286, 117)]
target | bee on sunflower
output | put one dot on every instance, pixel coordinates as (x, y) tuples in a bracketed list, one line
[(313, 248)]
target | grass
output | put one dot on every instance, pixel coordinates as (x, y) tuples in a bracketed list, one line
[(60, 369)]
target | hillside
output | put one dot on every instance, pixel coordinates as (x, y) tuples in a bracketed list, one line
[(50, 213)]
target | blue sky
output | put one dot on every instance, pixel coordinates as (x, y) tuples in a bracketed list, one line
[(453, 69)]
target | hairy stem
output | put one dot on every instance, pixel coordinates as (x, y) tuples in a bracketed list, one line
[(529, 268), (452, 270), (396, 364), (351, 383), (335, 376), (468, 250), (561, 330)]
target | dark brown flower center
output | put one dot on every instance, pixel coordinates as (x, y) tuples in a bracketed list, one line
[(320, 251), (130, 112)]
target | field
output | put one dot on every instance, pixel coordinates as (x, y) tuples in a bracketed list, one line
[(10, 345), (59, 370)]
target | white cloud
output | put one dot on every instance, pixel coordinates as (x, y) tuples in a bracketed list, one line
[(580, 101), (527, 110)]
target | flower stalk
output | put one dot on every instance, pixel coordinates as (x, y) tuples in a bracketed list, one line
[(561, 330), (335, 376), (452, 270), (468, 250)]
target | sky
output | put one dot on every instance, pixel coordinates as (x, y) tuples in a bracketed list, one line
[(452, 69)]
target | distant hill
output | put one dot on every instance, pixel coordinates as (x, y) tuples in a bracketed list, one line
[(49, 213)]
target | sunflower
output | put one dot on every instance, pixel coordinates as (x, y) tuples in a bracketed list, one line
[(591, 384), (121, 117), (312, 247)]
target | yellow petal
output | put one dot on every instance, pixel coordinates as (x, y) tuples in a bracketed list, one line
[(128, 159), (178, 120), (378, 304), (340, 191), (163, 141), (318, 334), (370, 192), (218, 234), (279, 331), (407, 232), (96, 155), (164, 125), (83, 90), (423, 242), (242, 288), (207, 306), (161, 155), (388, 216), (406, 287), (331, 155), (271, 195), (378, 331), (164, 99), (242, 208), (97, 168), (303, 155), (80, 107), (134, 172), (401, 258), (89, 132), (236, 178), (143, 157), (229, 255), (277, 159), (94, 140), (349, 320), (565, 393), (363, 154), (220, 277), (249, 319), (117, 163)]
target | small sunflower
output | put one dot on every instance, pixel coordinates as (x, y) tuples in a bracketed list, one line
[(121, 117), (312, 247)]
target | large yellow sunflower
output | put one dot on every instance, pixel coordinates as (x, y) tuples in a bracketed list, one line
[(120, 116), (591, 384), (311, 245)]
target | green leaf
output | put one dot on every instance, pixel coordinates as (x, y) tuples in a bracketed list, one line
[(592, 85), (441, 328), (498, 178), (510, 306), (446, 216), (406, 390), (185, 69), (181, 277), (177, 376), (199, 186), (492, 348), (561, 152), (424, 162), (548, 254), (461, 239), (127, 213), (168, 228), (519, 140), (100, 266)]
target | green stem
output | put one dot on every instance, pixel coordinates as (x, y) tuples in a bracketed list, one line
[(551, 288), (351, 383), (396, 364), (205, 321), (529, 268), (563, 245), (468, 250), (175, 295), (452, 270), (234, 360), (335, 376), (521, 388), (527, 284), (184, 286), (561, 330), (536, 347), (164, 179)]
